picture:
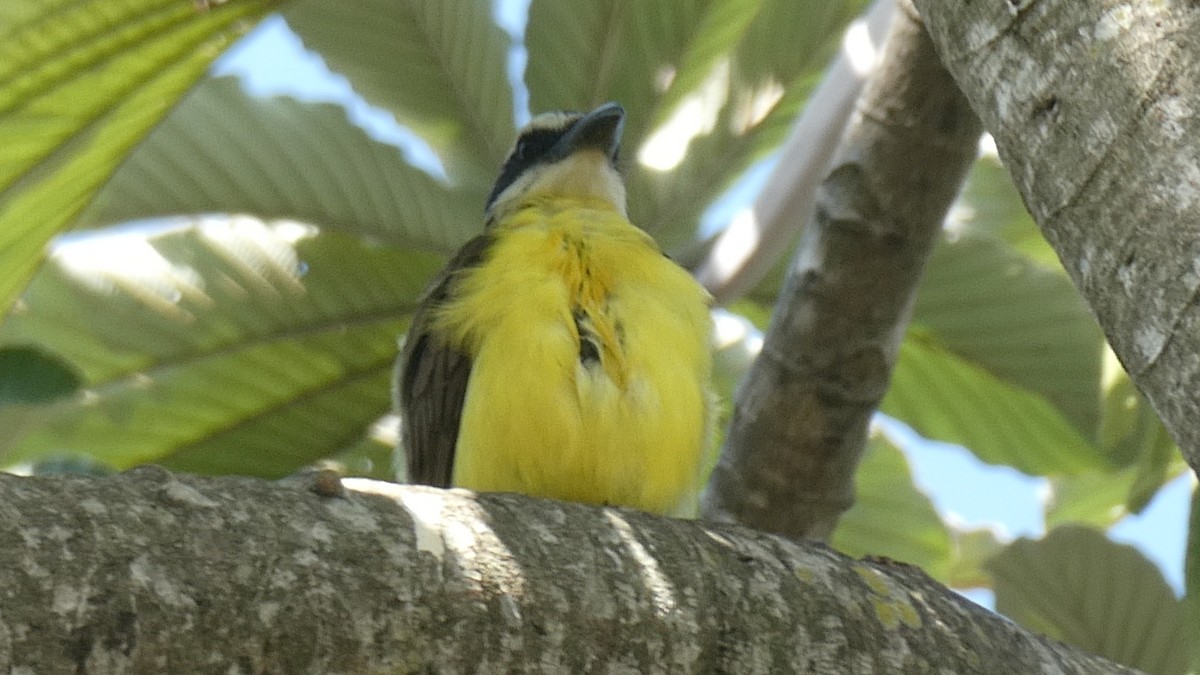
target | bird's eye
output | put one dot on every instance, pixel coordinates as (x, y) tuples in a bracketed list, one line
[(532, 145)]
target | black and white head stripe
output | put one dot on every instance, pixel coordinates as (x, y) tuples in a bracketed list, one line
[(552, 136)]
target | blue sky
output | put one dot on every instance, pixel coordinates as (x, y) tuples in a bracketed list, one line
[(273, 62)]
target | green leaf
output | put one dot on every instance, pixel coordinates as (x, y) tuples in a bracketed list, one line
[(970, 551), (224, 151), (439, 65), (29, 375), (1101, 498), (222, 347), (1154, 470), (1130, 431), (14, 14), (1135, 441), (945, 397), (320, 414), (80, 84), (1021, 323), (991, 206), (1077, 586), (583, 54), (1095, 498), (890, 516)]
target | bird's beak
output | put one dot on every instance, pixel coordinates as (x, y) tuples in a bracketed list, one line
[(598, 130)]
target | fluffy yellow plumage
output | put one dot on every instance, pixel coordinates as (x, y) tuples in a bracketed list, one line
[(582, 353)]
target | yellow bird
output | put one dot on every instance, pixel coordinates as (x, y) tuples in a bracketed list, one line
[(560, 354)]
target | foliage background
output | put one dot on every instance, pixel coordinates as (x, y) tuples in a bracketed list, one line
[(214, 281)]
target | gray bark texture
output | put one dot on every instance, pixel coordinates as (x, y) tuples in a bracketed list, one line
[(800, 416), (1093, 104), (150, 572)]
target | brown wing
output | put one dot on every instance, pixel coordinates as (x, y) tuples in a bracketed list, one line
[(431, 379)]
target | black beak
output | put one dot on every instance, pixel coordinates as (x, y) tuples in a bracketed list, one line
[(600, 130)]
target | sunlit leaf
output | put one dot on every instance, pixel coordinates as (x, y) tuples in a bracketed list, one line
[(439, 65), (80, 84), (1132, 439), (1096, 498), (227, 346), (1102, 497), (224, 151)]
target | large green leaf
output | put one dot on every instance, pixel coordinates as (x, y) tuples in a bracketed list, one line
[(709, 86), (1126, 428), (228, 346), (890, 516), (1079, 587), (438, 64), (946, 397), (224, 151), (1022, 323), (80, 84)]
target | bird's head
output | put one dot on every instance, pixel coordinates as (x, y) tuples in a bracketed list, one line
[(563, 154)]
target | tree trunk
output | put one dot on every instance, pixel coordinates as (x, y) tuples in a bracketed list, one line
[(1092, 104), (149, 572)]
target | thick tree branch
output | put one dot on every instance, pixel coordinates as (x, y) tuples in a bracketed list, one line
[(151, 572), (1092, 103), (801, 416)]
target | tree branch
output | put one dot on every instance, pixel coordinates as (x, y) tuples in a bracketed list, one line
[(153, 572), (1092, 106), (801, 416)]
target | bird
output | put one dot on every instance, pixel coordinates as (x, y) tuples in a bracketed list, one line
[(560, 353)]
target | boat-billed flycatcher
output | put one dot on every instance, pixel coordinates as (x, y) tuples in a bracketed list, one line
[(560, 354)]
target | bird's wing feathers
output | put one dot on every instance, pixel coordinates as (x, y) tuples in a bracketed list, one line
[(432, 379)]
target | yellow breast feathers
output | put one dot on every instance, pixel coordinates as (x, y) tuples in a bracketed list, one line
[(590, 360)]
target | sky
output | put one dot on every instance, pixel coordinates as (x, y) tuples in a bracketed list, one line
[(964, 490)]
